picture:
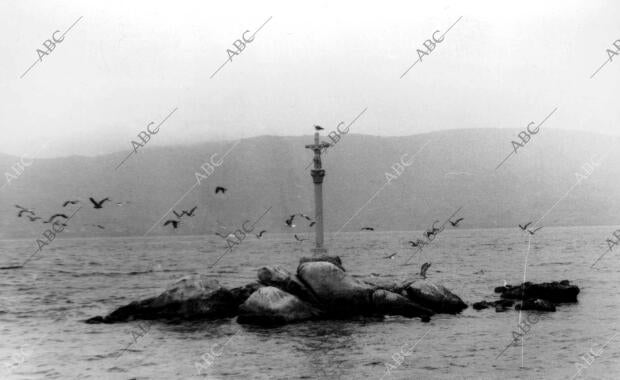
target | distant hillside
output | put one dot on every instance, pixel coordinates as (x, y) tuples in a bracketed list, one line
[(456, 168)]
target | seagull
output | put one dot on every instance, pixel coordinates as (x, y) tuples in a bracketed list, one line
[(298, 238), (177, 214), (505, 283), (456, 222), (98, 204), (423, 269), (225, 236), (21, 212), (318, 128), (33, 218), (533, 232), (289, 221), (414, 244), (260, 234), (524, 227), (391, 256), (56, 216), (367, 229), (190, 213), (70, 203), (312, 224), (220, 189), (429, 234), (175, 223), (24, 209), (97, 225)]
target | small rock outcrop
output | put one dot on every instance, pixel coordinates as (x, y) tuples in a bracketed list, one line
[(536, 304), (434, 297), (388, 303), (556, 292), (272, 306)]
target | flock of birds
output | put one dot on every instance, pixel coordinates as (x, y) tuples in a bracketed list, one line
[(61, 218), (190, 213)]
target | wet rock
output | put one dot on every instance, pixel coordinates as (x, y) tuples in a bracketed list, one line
[(337, 292), (556, 292), (242, 293), (536, 304), (388, 303), (273, 306), (482, 305), (326, 258), (499, 305), (192, 297), (285, 280), (435, 297)]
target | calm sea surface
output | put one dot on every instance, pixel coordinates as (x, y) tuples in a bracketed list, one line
[(42, 305)]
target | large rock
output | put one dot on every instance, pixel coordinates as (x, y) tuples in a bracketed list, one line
[(285, 280), (272, 306), (330, 259), (337, 292), (434, 296), (192, 297), (556, 292), (388, 303)]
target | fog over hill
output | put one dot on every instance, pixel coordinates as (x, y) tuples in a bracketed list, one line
[(451, 169)]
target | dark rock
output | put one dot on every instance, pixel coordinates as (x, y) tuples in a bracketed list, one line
[(536, 304), (290, 283), (564, 282), (551, 291), (336, 291), (500, 305), (242, 293), (435, 297), (272, 306), (500, 289), (330, 259), (482, 305), (388, 303), (192, 297)]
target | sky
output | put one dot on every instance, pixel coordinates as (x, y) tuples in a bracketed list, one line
[(126, 64)]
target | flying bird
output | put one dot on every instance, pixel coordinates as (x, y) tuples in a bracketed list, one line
[(70, 203), (525, 227), (533, 232), (177, 214), (190, 212), (97, 225), (33, 218), (221, 189), (21, 212), (175, 223), (456, 222), (289, 221), (414, 244), (423, 269), (24, 209), (367, 229), (391, 256), (312, 224), (298, 238), (260, 234), (51, 219), (318, 128), (98, 204)]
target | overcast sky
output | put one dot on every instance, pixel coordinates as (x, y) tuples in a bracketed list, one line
[(127, 63)]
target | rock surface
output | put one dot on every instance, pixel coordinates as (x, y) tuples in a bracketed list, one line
[(388, 303), (337, 292), (192, 297), (326, 258), (272, 306), (287, 281), (556, 292), (536, 304), (434, 296)]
